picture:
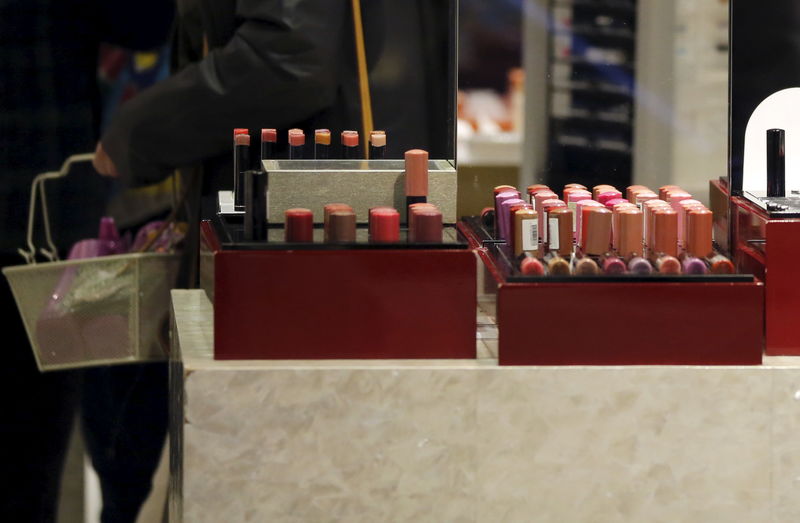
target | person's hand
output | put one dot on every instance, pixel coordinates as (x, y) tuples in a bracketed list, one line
[(103, 163)]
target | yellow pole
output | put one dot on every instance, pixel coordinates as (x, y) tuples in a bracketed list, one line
[(363, 79)]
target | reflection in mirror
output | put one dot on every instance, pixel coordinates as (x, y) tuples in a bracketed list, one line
[(629, 92)]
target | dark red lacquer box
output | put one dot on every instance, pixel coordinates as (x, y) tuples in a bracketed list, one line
[(691, 320), (768, 248), (282, 301)]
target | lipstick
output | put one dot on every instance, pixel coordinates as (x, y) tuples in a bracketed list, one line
[(350, 145), (559, 225), (628, 233), (544, 216), (385, 226), (719, 264), (605, 197), (512, 223), (575, 186), (371, 214), (342, 226), (691, 265), (586, 267), (663, 190), (598, 189), (322, 144), (251, 210), (776, 163), (297, 142), (499, 198), (572, 198), (377, 145), (596, 233), (612, 265), (299, 226), (526, 231), (506, 217), (269, 142), (632, 190), (427, 226), (665, 232), (241, 163), (579, 206), (668, 265), (416, 175), (643, 196), (533, 189), (699, 233), (558, 266), (538, 198), (530, 266), (327, 211), (639, 266)]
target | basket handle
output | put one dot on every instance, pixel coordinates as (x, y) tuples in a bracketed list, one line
[(37, 190)]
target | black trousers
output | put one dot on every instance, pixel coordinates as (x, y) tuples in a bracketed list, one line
[(36, 420), (124, 411)]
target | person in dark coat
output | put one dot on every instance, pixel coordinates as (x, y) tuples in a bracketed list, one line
[(284, 64), (48, 111)]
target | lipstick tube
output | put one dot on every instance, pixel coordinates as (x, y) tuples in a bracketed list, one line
[(667, 264), (692, 265), (385, 226), (412, 213), (538, 198), (526, 230), (512, 222), (572, 199), (632, 190), (269, 142), (719, 264), (579, 206), (428, 226), (663, 190), (599, 189), (350, 149), (327, 211), (299, 226), (377, 145), (544, 220), (371, 214), (639, 266), (342, 226), (416, 164), (533, 189), (322, 144), (498, 203), (628, 238), (297, 142), (557, 265), (776, 163), (241, 163), (612, 265), (585, 267), (531, 266), (644, 196), (596, 231), (607, 196), (699, 233), (665, 232), (559, 225), (506, 217)]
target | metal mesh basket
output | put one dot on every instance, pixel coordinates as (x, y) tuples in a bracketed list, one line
[(95, 311)]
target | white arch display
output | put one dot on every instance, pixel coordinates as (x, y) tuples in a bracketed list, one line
[(780, 110)]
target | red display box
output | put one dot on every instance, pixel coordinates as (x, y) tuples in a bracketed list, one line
[(768, 247), (623, 321), (339, 303)]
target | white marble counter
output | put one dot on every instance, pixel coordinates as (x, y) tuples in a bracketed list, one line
[(467, 440)]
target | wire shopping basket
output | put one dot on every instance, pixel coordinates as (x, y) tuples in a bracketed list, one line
[(89, 312)]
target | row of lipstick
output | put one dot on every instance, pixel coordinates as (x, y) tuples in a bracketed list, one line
[(425, 221), (424, 224), (350, 147), (601, 231)]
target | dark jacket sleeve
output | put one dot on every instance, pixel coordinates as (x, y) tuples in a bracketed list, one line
[(278, 68)]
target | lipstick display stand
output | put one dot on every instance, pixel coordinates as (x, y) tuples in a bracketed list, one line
[(274, 300), (361, 183), (764, 243), (625, 320)]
